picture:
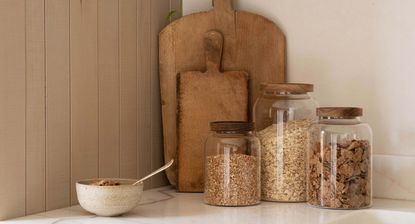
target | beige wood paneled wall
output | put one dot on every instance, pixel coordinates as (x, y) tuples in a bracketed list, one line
[(79, 97)]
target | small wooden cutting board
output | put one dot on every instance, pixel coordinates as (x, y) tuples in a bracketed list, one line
[(204, 97)]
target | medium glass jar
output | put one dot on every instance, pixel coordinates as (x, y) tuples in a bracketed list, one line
[(340, 160), (232, 165), (282, 115)]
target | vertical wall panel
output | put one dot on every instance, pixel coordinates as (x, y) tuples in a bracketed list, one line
[(35, 106), (128, 79), (84, 91), (109, 89), (79, 96), (159, 10), (176, 6), (57, 104), (143, 90), (12, 109)]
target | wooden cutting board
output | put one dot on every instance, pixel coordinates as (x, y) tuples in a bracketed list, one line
[(252, 43), (204, 97)]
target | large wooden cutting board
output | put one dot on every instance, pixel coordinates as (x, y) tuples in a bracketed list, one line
[(204, 97), (252, 43)]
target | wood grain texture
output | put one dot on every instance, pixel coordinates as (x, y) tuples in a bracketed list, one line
[(168, 100), (57, 104), (109, 89), (12, 110), (204, 97), (159, 10), (299, 88), (340, 112), (252, 43), (84, 92), (128, 81), (143, 90), (35, 107)]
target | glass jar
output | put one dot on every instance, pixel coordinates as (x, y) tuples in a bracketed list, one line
[(232, 165), (340, 160), (282, 115)]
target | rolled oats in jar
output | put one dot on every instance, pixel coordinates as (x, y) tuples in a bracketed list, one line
[(282, 116)]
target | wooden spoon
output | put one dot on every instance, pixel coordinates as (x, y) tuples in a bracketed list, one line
[(155, 172)]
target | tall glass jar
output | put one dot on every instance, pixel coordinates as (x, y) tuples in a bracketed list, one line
[(282, 115), (340, 160), (232, 165)]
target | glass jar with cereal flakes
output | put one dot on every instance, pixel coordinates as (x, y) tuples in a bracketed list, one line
[(340, 160), (232, 165), (282, 115)]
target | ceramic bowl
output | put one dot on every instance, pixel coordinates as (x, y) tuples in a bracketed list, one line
[(109, 200)]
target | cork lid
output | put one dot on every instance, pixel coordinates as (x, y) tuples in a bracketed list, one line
[(288, 87), (231, 126), (339, 112)]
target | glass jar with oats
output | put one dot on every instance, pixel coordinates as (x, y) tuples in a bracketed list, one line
[(282, 115), (340, 160), (232, 165)]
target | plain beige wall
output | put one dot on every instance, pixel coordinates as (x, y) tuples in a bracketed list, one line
[(357, 53)]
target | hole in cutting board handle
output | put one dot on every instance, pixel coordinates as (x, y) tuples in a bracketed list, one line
[(213, 43)]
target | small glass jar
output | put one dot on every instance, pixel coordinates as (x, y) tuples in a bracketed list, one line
[(340, 160), (232, 165), (282, 115)]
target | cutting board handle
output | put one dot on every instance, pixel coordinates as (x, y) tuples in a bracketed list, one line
[(213, 42), (222, 5)]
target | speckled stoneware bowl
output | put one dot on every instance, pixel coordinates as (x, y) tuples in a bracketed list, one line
[(109, 200)]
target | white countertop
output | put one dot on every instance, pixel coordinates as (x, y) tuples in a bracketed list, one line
[(164, 205)]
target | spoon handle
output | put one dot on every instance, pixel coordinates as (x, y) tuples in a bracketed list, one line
[(155, 172)]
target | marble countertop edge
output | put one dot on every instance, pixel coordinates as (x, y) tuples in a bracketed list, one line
[(165, 205)]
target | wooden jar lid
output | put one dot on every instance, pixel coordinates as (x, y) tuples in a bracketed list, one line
[(339, 112), (231, 126), (288, 87)]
